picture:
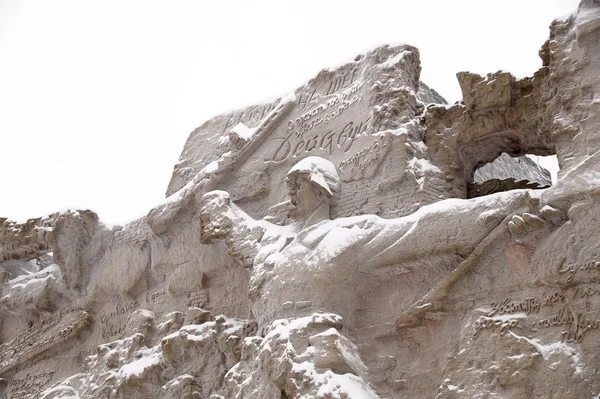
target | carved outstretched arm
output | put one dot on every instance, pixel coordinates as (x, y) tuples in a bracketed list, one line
[(518, 225), (221, 219), (451, 226)]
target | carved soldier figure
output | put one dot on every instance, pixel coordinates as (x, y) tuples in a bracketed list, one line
[(314, 264)]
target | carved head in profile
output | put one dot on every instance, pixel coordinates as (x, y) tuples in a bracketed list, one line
[(312, 182)]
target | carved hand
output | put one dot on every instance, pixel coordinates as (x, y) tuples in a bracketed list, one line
[(215, 216), (523, 225)]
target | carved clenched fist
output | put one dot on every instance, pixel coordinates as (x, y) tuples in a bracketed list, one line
[(215, 216)]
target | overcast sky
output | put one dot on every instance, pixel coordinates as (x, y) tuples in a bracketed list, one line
[(97, 98)]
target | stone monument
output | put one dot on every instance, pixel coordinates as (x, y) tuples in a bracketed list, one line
[(356, 238)]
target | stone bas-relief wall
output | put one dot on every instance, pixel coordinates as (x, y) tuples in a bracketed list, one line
[(321, 246), (49, 327), (360, 115), (542, 319)]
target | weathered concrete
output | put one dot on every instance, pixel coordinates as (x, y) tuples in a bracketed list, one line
[(323, 246)]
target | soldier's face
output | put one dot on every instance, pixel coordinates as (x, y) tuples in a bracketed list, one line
[(299, 188), (304, 194)]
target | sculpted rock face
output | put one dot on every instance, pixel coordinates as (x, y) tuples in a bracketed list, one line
[(330, 245)]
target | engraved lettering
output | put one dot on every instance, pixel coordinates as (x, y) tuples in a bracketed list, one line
[(572, 268), (527, 306), (487, 323), (119, 310), (282, 151), (562, 318)]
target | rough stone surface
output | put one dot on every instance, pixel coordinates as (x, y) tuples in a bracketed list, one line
[(520, 168), (330, 245)]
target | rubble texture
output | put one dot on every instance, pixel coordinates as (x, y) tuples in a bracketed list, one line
[(356, 238)]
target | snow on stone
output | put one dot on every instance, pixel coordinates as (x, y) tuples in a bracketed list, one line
[(555, 348), (391, 62), (243, 131), (49, 272), (137, 367), (423, 165)]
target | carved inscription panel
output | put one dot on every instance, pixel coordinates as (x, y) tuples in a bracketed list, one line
[(86, 329), (568, 314), (328, 129), (338, 116), (111, 321), (334, 117), (29, 385), (50, 332)]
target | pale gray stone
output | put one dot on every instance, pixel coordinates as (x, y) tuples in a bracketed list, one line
[(325, 245)]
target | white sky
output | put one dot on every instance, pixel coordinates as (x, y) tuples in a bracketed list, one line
[(97, 98)]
